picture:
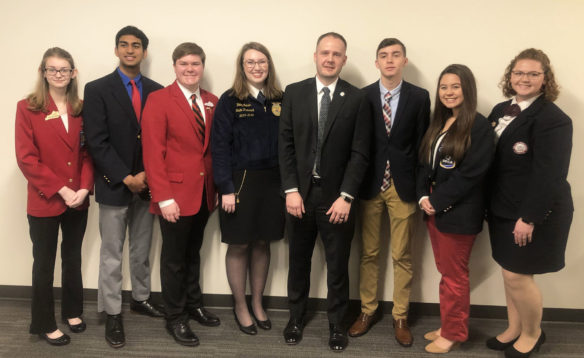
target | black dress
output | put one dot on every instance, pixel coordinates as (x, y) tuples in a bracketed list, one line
[(528, 181), (244, 146)]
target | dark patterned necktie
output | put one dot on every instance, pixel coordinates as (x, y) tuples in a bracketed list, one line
[(325, 103), (198, 117), (386, 182)]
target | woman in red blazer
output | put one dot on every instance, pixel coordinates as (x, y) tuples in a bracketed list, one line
[(50, 153)]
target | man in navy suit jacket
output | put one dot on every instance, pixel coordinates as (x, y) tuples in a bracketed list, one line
[(401, 117), (111, 112)]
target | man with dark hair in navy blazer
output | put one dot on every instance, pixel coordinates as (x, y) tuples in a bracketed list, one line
[(401, 117), (112, 113), (325, 130)]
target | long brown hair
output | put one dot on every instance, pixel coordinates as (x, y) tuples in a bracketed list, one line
[(457, 140), (550, 88), (240, 87), (39, 99)]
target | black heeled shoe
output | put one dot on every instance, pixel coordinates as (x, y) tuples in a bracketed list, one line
[(59, 341), (265, 325), (251, 329), (76, 328), (511, 352), (496, 345)]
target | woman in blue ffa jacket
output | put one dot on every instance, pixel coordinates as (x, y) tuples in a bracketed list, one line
[(455, 155), (245, 167), (530, 209), (51, 154)]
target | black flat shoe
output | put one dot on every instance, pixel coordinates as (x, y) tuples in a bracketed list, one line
[(496, 345), (251, 329), (60, 341), (338, 340), (76, 328), (511, 352), (265, 325), (293, 331)]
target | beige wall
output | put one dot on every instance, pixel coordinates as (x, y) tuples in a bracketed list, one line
[(483, 35)]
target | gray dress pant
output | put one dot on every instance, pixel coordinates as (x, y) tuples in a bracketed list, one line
[(113, 223)]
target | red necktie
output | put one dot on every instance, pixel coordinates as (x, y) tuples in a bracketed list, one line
[(198, 116), (136, 100)]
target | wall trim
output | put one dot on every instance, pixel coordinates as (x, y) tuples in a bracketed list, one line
[(417, 309)]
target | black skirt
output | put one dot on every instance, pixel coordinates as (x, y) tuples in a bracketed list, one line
[(545, 253), (259, 208)]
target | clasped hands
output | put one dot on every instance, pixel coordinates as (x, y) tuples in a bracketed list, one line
[(73, 198), (339, 211)]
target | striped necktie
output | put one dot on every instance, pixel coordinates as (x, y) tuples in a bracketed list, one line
[(198, 117)]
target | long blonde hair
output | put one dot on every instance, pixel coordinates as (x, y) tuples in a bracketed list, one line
[(240, 90), (39, 99)]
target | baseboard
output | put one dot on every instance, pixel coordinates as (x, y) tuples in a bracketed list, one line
[(417, 309)]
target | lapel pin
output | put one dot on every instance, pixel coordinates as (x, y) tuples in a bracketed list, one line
[(342, 94), (53, 115)]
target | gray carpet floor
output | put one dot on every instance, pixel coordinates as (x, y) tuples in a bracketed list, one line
[(146, 337)]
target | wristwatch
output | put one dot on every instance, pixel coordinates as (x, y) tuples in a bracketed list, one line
[(347, 198)]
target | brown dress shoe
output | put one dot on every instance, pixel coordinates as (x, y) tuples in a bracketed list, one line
[(403, 335), (361, 325)]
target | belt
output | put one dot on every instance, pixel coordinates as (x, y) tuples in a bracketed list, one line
[(316, 180)]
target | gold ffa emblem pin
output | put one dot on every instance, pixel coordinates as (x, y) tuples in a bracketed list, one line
[(276, 108)]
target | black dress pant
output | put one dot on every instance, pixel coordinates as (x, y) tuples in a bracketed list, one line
[(44, 234), (180, 263), (337, 245)]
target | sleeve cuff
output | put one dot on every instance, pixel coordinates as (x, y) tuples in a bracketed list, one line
[(165, 203)]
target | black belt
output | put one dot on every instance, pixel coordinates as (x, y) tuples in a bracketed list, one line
[(316, 180)]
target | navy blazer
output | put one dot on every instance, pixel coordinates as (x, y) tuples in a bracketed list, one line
[(345, 147), (402, 144), (458, 189), (113, 136), (528, 178)]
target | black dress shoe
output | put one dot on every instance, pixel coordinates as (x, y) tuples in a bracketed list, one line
[(76, 328), (204, 317), (60, 341), (114, 331), (182, 334), (293, 331), (338, 340), (251, 329), (146, 308), (511, 352), (496, 345), (265, 325)]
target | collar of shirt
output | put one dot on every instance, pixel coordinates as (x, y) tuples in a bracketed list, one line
[(187, 93), (320, 86), (127, 85), (394, 100), (254, 92), (524, 104)]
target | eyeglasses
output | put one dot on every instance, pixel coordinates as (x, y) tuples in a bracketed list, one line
[(530, 75), (65, 72), (251, 63)]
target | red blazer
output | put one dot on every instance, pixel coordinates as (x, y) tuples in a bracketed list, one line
[(50, 158), (177, 162)]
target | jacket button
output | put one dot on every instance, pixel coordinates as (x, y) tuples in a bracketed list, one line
[(69, 163), (70, 180), (202, 174), (138, 136)]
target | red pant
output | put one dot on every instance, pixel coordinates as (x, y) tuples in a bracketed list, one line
[(452, 252)]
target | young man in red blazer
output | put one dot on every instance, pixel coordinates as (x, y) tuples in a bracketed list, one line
[(176, 128)]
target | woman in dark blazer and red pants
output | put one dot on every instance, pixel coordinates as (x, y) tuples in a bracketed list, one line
[(455, 155), (531, 208), (51, 154)]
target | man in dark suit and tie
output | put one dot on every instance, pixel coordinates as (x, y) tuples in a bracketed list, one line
[(325, 130), (401, 117), (177, 157), (111, 113)]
